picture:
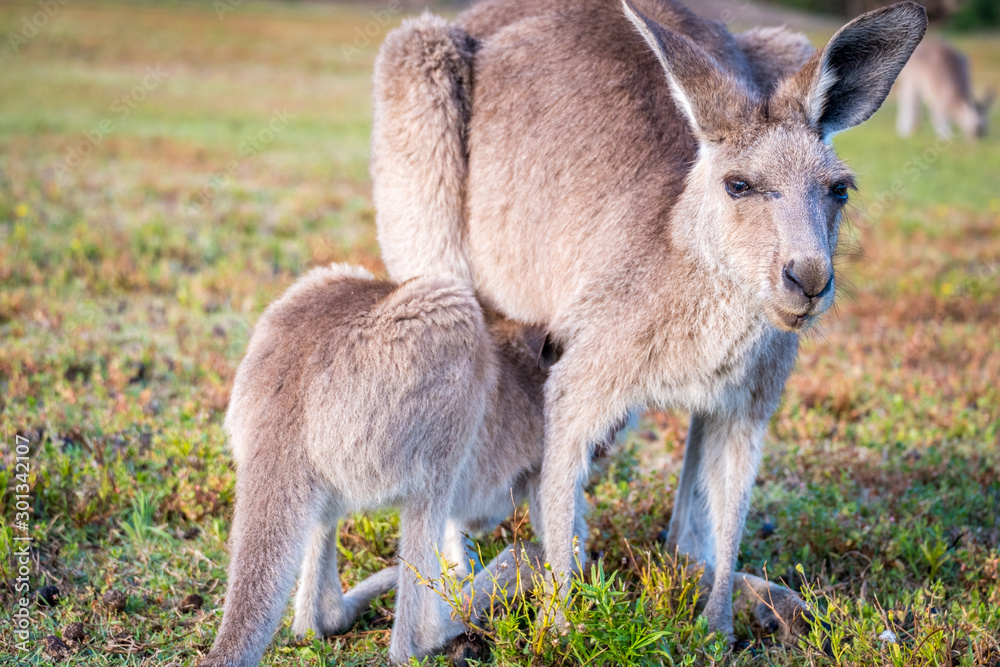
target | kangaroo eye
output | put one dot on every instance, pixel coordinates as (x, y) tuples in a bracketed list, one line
[(737, 187), (839, 191)]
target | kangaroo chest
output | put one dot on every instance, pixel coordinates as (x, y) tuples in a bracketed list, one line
[(704, 362)]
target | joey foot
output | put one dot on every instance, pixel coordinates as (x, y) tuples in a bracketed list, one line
[(776, 609), (468, 646)]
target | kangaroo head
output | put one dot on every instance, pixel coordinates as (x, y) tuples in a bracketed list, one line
[(767, 191), (973, 116)]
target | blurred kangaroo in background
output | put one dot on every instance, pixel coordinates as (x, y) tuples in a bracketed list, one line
[(356, 394), (661, 196), (938, 76)]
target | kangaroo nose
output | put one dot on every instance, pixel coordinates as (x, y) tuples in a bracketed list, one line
[(810, 277)]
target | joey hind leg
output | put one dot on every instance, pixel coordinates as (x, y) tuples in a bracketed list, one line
[(274, 512), (320, 603), (421, 612)]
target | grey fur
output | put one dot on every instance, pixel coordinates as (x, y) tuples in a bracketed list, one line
[(435, 113), (594, 204), (356, 394), (938, 75)]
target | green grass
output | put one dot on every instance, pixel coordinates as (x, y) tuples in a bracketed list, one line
[(127, 297)]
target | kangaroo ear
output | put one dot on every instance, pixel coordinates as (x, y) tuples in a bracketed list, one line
[(849, 80), (714, 102), (534, 338), (544, 349), (552, 352)]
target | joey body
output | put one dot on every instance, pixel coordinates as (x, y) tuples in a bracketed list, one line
[(357, 394)]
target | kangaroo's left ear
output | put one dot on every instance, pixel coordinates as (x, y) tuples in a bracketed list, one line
[(848, 81)]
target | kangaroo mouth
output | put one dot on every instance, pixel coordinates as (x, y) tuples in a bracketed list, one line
[(790, 321)]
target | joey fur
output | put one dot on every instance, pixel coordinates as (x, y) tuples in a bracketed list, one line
[(357, 394), (660, 195)]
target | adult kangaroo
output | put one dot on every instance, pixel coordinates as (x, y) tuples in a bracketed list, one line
[(657, 193), (938, 75)]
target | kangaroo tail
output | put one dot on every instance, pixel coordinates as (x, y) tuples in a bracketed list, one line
[(419, 157)]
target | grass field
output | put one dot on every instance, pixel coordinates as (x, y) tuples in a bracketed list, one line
[(166, 170)]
